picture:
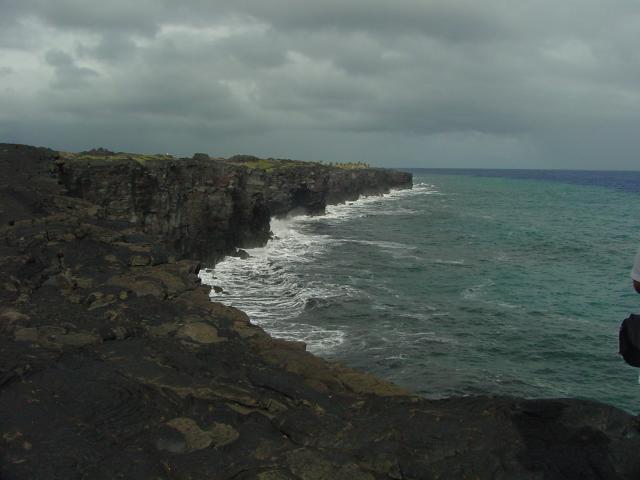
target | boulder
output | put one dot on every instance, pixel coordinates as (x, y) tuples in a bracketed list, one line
[(200, 332), (196, 438), (11, 315), (240, 253)]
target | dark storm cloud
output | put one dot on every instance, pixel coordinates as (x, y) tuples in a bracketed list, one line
[(411, 82)]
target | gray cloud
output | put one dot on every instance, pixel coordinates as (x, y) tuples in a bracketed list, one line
[(141, 16), (111, 47), (465, 83), (67, 73)]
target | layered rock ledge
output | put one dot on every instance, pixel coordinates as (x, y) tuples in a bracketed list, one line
[(114, 363)]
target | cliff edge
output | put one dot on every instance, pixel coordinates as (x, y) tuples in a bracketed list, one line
[(114, 363), (205, 207)]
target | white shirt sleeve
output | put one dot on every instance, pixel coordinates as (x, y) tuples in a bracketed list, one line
[(635, 273)]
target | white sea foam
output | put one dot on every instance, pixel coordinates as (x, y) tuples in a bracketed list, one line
[(383, 244), (448, 262), (370, 205), (269, 287)]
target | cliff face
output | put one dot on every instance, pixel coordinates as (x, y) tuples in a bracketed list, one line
[(206, 207), (114, 363)]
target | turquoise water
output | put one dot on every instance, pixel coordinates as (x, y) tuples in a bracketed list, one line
[(465, 285)]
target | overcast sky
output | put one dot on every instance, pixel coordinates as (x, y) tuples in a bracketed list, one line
[(442, 83)]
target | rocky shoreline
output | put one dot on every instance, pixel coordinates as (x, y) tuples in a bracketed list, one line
[(114, 363)]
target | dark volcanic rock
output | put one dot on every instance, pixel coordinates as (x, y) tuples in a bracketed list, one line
[(204, 208), (240, 253), (114, 363)]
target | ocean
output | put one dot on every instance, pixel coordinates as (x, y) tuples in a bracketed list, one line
[(500, 282)]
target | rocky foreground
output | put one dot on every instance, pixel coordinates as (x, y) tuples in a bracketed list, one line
[(114, 363)]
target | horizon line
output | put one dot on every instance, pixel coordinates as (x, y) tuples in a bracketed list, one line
[(518, 169)]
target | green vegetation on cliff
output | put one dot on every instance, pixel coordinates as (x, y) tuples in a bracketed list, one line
[(351, 165), (246, 161), (268, 164), (105, 155)]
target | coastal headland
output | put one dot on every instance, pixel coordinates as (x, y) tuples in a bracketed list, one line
[(115, 363)]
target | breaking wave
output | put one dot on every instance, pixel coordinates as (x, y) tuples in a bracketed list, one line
[(270, 286)]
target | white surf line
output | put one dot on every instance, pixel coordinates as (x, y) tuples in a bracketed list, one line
[(267, 286)]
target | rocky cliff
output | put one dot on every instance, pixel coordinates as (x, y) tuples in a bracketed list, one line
[(114, 363), (203, 207)]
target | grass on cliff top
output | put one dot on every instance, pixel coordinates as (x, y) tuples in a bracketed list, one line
[(270, 164), (266, 164), (351, 165), (140, 158)]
